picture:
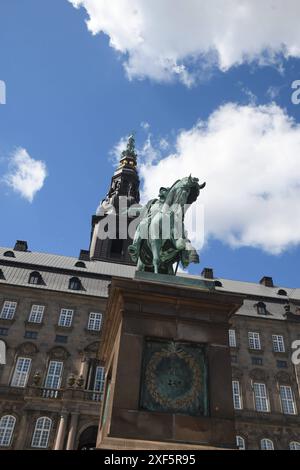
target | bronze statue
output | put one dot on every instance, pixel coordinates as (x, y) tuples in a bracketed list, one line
[(160, 239)]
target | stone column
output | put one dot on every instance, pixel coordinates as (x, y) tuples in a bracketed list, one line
[(22, 432), (72, 431), (60, 437)]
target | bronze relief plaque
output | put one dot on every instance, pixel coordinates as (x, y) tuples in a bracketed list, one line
[(174, 378)]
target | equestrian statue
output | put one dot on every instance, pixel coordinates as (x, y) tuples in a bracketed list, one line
[(160, 239)]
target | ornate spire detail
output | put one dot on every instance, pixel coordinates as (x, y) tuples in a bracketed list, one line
[(129, 156)]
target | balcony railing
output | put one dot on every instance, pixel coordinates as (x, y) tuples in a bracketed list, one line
[(76, 394)]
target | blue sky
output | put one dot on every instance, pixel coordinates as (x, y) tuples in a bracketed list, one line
[(70, 101)]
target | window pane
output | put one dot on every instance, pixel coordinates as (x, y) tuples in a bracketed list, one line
[(41, 433), (53, 378), (294, 445), (65, 318), (254, 340), (237, 401), (240, 443), (36, 314), (7, 424), (278, 343), (266, 444), (261, 398), (8, 310), (232, 339), (95, 321), (287, 400), (21, 372)]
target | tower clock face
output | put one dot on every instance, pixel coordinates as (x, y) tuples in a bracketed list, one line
[(174, 378)]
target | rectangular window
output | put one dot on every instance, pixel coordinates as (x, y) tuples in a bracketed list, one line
[(95, 321), (99, 383), (21, 372), (31, 334), (278, 343), (61, 339), (232, 338), (282, 364), (254, 340), (8, 310), (66, 317), (287, 400), (53, 379), (3, 331), (261, 398), (257, 361), (36, 314), (237, 398)]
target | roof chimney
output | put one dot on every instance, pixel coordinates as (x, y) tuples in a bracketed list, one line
[(267, 281), (208, 273), (21, 245), (84, 255)]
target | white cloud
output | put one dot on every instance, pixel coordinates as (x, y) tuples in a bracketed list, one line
[(26, 175), (163, 39), (249, 157)]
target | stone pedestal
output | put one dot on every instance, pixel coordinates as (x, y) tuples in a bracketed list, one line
[(167, 362)]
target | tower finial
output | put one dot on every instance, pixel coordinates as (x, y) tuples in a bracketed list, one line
[(130, 153)]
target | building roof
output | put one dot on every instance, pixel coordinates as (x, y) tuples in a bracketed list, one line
[(95, 277)]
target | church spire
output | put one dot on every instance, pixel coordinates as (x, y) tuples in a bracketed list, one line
[(124, 184), (129, 156)]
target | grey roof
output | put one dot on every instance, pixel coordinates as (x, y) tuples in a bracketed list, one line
[(95, 277)]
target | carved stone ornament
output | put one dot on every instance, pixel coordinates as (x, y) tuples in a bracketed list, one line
[(59, 353)]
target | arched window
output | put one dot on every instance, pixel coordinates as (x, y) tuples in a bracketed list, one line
[(7, 425), (282, 292), (75, 284), (240, 443), (35, 278), (261, 308), (80, 264), (9, 254), (294, 445), (266, 444), (41, 433)]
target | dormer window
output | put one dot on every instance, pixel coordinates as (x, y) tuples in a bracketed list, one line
[(80, 264), (282, 292), (261, 308), (75, 284), (35, 278), (9, 254), (218, 284)]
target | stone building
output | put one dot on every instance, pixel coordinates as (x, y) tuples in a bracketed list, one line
[(51, 312)]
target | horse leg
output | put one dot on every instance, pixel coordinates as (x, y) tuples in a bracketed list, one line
[(140, 265), (155, 246)]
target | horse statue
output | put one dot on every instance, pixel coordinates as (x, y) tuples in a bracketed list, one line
[(160, 239)]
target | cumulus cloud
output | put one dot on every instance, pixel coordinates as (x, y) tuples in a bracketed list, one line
[(26, 176), (249, 157), (163, 39)]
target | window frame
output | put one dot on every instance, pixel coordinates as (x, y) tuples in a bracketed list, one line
[(51, 377), (243, 442), (286, 402), (261, 398), (20, 377), (278, 344), (94, 321), (267, 441), (232, 338), (7, 431), (66, 316), (254, 340), (42, 432), (11, 314), (294, 444), (34, 316), (237, 395)]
